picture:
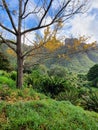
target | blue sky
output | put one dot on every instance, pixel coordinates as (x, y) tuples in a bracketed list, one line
[(81, 24)]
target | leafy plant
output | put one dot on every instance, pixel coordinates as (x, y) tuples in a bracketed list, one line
[(53, 85), (72, 95), (5, 63), (91, 101), (7, 81), (13, 75), (4, 73), (92, 75), (57, 71), (33, 78)]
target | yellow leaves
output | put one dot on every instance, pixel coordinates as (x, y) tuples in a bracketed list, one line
[(80, 44), (53, 44), (46, 33), (83, 39), (11, 52), (65, 56)]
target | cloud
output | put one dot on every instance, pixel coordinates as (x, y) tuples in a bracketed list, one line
[(29, 38), (84, 24), (94, 4)]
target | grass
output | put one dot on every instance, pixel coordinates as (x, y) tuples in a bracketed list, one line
[(27, 110), (10, 95)]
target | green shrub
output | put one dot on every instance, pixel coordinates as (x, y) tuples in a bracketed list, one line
[(4, 63), (4, 92), (72, 95), (4, 73), (7, 81), (92, 75), (83, 91), (57, 71), (33, 79), (91, 101), (53, 85), (13, 75)]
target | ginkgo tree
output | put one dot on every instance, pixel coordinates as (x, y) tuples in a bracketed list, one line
[(20, 17)]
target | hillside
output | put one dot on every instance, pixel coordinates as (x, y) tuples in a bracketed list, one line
[(76, 62), (27, 110), (79, 60)]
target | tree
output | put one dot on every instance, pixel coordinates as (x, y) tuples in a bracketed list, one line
[(25, 16), (92, 75), (4, 63)]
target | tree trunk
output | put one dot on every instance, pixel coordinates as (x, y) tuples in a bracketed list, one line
[(19, 81), (19, 72)]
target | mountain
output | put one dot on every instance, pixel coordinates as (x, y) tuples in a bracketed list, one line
[(66, 56), (79, 60)]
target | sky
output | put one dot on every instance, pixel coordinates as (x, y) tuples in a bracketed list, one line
[(84, 24), (79, 25)]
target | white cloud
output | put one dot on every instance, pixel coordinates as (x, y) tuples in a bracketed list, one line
[(29, 38), (85, 24), (94, 4)]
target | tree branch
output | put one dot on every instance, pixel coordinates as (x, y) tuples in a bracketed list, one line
[(7, 29), (45, 13), (31, 12), (25, 5), (9, 14), (53, 20), (7, 42)]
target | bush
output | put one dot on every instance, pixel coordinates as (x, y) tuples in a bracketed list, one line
[(4, 73), (13, 75), (57, 71), (7, 81), (72, 95), (53, 85), (4, 63), (91, 101), (33, 79), (92, 75)]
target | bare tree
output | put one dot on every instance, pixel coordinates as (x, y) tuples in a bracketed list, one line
[(20, 17)]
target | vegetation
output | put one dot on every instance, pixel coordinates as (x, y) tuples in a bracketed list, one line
[(48, 96), (48, 87), (17, 18), (91, 101), (46, 114), (4, 63), (26, 109), (93, 75)]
